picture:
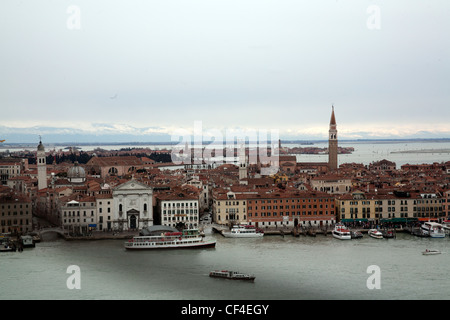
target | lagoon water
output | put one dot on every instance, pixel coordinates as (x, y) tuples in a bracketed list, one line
[(286, 268)]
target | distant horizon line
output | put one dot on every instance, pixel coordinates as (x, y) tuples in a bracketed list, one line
[(287, 141)]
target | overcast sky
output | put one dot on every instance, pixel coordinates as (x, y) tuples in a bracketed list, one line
[(261, 64)]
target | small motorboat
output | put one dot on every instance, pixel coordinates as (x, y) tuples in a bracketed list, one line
[(374, 233), (430, 252), (356, 235), (341, 232), (8, 248), (388, 233), (232, 275), (27, 241)]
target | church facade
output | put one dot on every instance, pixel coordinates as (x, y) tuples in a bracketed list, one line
[(133, 206)]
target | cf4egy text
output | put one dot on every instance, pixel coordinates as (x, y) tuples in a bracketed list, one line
[(232, 309)]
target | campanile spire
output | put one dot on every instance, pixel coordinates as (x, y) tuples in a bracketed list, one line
[(332, 142)]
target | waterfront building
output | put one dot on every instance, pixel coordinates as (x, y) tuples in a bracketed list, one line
[(178, 206), (395, 206), (229, 207), (446, 204), (358, 207), (78, 214), (41, 166), (105, 206), (15, 212), (133, 206), (430, 206), (291, 208)]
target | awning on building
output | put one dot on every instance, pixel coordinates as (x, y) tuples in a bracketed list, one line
[(427, 219), (398, 220)]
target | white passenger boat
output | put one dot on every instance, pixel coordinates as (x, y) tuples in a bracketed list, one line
[(341, 232), (374, 233), (243, 231), (188, 239), (433, 229)]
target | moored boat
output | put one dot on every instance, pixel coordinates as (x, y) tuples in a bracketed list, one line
[(6, 245), (446, 226), (341, 232), (232, 275), (357, 235), (388, 233), (243, 231), (7, 248), (433, 229), (187, 239), (374, 233), (27, 241)]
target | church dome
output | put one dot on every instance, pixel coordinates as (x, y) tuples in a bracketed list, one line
[(76, 173)]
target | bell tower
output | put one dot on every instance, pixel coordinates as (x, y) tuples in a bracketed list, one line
[(243, 174), (332, 143), (41, 166)]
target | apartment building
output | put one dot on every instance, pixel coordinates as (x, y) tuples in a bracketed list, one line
[(397, 206), (291, 209), (78, 216), (229, 207), (175, 207), (15, 213)]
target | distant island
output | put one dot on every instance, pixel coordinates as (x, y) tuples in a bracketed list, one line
[(424, 151), (316, 150)]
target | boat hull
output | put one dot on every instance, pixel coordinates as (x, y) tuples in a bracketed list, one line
[(144, 246), (242, 235), (230, 275), (429, 253), (240, 279), (375, 234), (437, 235), (341, 236)]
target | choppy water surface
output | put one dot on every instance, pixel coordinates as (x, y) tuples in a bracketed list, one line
[(285, 268)]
